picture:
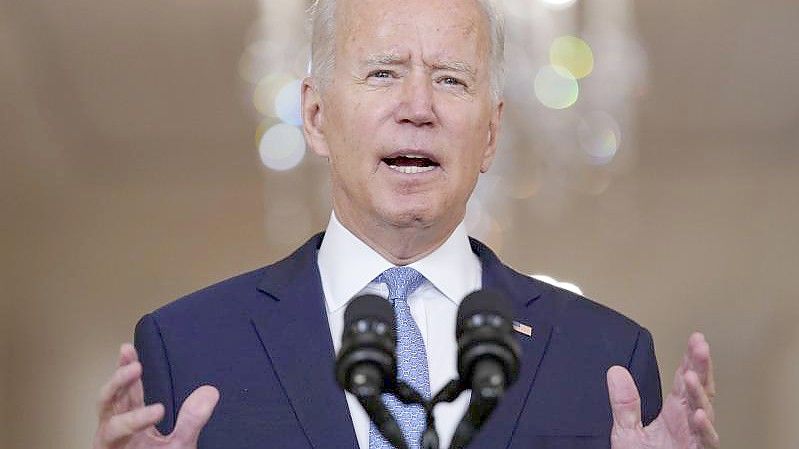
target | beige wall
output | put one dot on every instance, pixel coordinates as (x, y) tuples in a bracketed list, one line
[(5, 362), (129, 177)]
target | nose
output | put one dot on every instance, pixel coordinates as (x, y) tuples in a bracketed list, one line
[(416, 102)]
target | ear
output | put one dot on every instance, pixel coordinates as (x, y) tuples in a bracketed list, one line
[(313, 117), (494, 126)]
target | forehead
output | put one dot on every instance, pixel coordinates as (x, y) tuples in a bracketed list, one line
[(437, 28)]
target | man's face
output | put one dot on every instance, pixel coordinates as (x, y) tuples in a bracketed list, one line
[(407, 121)]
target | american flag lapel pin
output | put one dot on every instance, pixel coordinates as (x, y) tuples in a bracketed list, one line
[(523, 328)]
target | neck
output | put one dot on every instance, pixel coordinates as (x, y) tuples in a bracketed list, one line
[(400, 245)]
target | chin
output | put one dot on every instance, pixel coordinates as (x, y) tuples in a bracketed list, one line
[(407, 217)]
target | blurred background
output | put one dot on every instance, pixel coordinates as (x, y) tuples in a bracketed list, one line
[(150, 148)]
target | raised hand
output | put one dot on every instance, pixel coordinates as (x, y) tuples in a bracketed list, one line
[(687, 417), (126, 423)]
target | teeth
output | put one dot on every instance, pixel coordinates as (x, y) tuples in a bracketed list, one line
[(411, 169)]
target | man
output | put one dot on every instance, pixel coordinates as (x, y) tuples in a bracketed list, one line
[(404, 101)]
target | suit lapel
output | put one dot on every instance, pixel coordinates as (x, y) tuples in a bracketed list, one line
[(292, 324), (523, 292)]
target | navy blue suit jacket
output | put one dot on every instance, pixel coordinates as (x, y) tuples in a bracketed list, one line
[(262, 338)]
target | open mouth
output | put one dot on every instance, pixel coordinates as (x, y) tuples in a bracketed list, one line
[(410, 163)]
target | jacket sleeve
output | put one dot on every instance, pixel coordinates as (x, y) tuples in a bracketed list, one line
[(157, 373), (643, 366)]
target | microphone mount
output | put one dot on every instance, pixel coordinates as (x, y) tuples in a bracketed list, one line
[(475, 415), (408, 395)]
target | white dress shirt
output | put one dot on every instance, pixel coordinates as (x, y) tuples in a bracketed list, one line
[(348, 266)]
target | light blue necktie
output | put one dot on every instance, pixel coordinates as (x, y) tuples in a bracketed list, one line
[(411, 359)]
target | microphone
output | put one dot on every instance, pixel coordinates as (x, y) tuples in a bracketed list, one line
[(488, 358), (367, 365)]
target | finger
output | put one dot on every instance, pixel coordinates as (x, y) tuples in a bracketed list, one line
[(710, 382), (122, 378), (195, 413), (678, 385), (625, 402), (701, 424), (691, 360), (697, 398), (128, 424), (127, 354), (702, 362), (134, 396)]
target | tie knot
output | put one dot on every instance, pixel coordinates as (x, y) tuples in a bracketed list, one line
[(401, 281)]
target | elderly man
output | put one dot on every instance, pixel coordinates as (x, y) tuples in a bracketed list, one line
[(404, 102)]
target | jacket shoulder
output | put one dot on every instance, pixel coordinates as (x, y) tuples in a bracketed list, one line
[(563, 306), (229, 294), (234, 297), (584, 326), (575, 307)]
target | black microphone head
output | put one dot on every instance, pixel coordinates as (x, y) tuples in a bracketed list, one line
[(366, 364), (482, 302), (369, 307), (486, 344)]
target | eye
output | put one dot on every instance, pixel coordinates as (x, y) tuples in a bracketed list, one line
[(381, 74), (451, 81)]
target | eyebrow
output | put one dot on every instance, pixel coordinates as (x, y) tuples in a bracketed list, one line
[(395, 59), (457, 66), (384, 59)]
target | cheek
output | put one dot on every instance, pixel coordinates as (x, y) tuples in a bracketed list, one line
[(359, 123), (468, 164), (468, 122)]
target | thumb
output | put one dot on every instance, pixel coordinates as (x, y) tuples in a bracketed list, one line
[(195, 413), (625, 403)]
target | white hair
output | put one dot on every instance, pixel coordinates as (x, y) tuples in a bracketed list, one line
[(323, 43)]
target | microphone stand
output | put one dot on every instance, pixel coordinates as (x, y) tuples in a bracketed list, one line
[(408, 395)]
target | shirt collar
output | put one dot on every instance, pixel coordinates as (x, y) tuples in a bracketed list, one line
[(347, 265), (452, 268)]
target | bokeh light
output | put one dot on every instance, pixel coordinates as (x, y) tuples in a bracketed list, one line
[(282, 147), (288, 101), (558, 4), (263, 127), (599, 136), (573, 54), (556, 87), (266, 92)]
